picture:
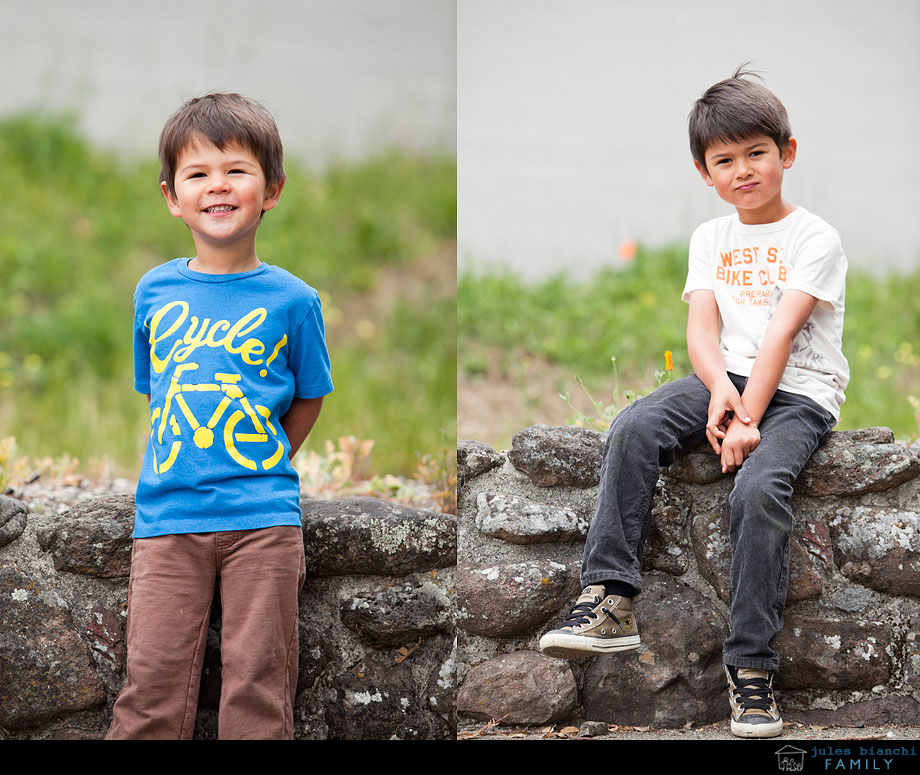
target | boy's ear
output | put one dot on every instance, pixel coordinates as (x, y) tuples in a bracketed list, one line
[(171, 202), (703, 171), (789, 153), (272, 195)]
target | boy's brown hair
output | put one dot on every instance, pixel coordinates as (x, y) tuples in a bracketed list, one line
[(734, 110), (223, 119)]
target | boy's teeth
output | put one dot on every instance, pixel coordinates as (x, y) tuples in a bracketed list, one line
[(218, 209)]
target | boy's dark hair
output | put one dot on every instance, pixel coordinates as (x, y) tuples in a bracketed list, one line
[(734, 110), (223, 119)]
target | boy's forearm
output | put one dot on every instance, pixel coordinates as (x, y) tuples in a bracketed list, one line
[(705, 351), (790, 317), (703, 345), (706, 358), (299, 420), (766, 374)]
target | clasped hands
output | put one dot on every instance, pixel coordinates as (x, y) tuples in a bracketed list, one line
[(730, 429)]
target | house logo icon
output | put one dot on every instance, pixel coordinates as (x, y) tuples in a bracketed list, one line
[(790, 759)]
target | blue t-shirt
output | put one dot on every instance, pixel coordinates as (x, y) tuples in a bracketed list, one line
[(222, 357)]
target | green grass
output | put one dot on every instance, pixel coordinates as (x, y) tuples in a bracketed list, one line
[(635, 313), (80, 227)]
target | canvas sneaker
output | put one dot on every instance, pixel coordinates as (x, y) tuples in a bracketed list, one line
[(754, 711), (598, 624)]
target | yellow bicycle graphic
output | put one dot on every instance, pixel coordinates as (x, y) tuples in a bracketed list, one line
[(203, 435)]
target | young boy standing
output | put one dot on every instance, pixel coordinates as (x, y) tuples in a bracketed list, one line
[(231, 354), (766, 293)]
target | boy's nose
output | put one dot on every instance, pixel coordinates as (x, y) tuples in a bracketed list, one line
[(218, 182)]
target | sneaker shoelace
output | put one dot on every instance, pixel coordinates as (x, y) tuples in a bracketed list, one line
[(754, 694), (583, 613)]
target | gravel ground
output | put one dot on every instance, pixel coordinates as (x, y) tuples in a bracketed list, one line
[(802, 748), (48, 497), (791, 731)]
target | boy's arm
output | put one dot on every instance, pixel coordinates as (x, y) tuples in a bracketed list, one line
[(708, 364), (791, 315), (299, 420)]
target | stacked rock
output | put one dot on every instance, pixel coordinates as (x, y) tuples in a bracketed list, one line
[(850, 646), (377, 645)]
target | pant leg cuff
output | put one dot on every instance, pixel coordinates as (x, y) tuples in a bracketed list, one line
[(771, 666)]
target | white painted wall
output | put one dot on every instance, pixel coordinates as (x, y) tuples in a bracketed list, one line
[(343, 77), (572, 134)]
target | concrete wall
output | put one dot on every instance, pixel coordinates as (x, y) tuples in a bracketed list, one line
[(573, 124), (344, 79)]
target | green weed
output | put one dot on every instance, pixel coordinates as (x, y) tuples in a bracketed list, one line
[(636, 312), (604, 413)]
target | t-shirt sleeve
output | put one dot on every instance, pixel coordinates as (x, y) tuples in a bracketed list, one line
[(820, 268), (141, 352), (308, 358), (699, 272)]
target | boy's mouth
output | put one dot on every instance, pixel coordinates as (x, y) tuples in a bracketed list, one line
[(746, 187), (219, 208)]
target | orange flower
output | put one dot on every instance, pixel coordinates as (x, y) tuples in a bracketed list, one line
[(669, 360), (627, 250)]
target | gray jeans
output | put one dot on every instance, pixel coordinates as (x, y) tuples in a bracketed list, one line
[(644, 437)]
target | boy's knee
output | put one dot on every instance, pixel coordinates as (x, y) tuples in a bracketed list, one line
[(753, 486), (630, 427), (759, 506), (638, 417)]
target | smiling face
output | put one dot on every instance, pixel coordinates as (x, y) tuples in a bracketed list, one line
[(221, 195), (749, 175)]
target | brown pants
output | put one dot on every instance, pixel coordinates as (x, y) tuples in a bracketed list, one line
[(261, 573)]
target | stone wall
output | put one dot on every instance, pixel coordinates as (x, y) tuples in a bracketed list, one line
[(850, 646), (377, 644), (388, 624)]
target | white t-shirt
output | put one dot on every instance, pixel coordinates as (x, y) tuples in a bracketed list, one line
[(749, 267)]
